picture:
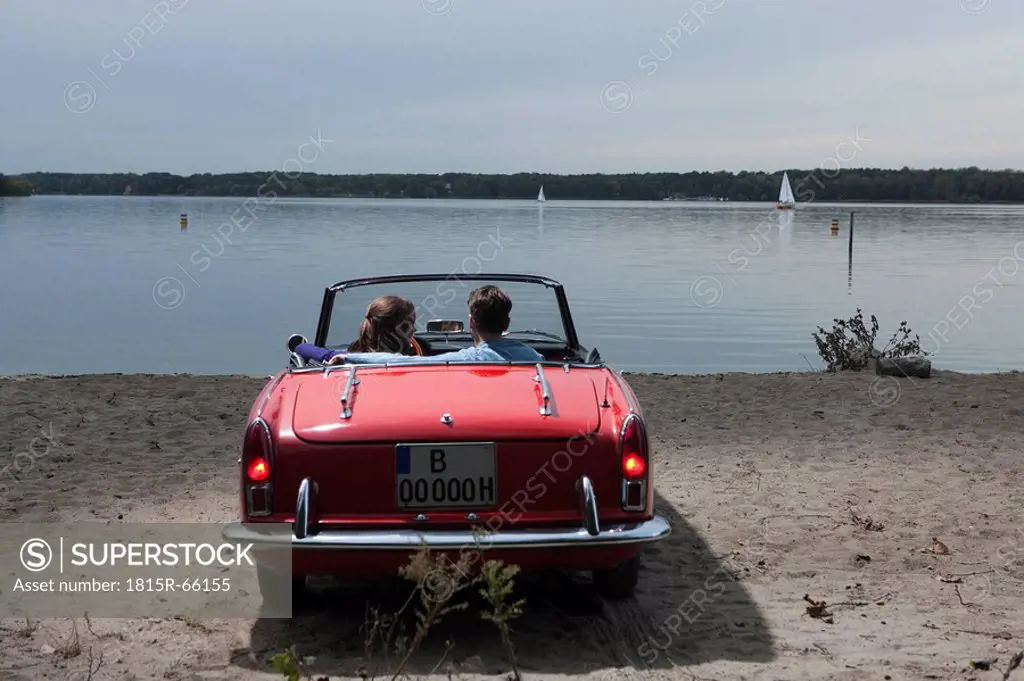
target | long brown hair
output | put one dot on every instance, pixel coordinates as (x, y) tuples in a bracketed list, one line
[(386, 327)]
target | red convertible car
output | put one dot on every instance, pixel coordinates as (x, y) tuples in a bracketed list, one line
[(540, 464)]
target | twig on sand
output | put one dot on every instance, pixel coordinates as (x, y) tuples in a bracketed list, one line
[(868, 523), (789, 515), (986, 665), (960, 596), (448, 646), (92, 670), (748, 468), (1003, 635), (859, 604), (1014, 663), (818, 609), (958, 578), (971, 574)]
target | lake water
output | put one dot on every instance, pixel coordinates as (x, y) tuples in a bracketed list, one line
[(112, 284)]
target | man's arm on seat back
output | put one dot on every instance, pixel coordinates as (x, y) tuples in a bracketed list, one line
[(464, 355)]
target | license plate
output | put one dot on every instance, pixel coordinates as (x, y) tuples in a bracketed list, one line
[(445, 475)]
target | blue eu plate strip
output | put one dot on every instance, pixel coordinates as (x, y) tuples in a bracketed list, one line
[(403, 463)]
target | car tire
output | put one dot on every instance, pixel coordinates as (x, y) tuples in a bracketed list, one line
[(274, 588), (618, 582)]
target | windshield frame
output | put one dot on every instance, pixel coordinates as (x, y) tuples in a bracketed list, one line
[(327, 307)]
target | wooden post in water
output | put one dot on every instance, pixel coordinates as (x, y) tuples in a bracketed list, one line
[(850, 258)]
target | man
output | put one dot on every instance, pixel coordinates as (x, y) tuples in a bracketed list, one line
[(490, 311)]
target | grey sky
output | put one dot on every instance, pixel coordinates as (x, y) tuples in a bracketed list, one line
[(509, 85)]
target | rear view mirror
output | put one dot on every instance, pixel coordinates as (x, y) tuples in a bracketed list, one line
[(445, 325)]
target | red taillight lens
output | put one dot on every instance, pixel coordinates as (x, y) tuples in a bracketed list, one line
[(257, 455), (634, 449), (257, 466), (633, 466), (258, 470), (636, 494)]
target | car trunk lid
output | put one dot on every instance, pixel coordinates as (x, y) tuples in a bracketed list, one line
[(444, 403)]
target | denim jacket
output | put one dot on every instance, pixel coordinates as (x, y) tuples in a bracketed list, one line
[(487, 351)]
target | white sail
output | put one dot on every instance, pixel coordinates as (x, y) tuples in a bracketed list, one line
[(540, 195), (786, 197)]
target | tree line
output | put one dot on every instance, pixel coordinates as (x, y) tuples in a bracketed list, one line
[(14, 186), (953, 185)]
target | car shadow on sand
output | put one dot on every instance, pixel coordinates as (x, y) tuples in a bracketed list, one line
[(689, 608)]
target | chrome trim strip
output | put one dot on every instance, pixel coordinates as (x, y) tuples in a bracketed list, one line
[(406, 365), (346, 397), (655, 529), (631, 416), (266, 395), (588, 506), (545, 391), (304, 524), (627, 391)]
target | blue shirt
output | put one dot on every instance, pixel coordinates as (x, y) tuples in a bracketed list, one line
[(487, 351)]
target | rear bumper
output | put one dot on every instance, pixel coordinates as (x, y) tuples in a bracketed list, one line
[(306, 534), (452, 540)]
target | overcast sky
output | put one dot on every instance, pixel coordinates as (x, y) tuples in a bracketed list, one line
[(564, 86)]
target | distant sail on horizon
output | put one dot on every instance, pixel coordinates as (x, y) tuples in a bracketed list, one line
[(786, 199), (540, 195)]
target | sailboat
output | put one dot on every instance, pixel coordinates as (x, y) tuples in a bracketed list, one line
[(540, 195), (786, 199)]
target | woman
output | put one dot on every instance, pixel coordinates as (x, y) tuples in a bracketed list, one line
[(388, 326)]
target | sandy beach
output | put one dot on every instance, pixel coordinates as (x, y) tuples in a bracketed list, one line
[(778, 486)]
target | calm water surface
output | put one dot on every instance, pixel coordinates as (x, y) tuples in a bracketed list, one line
[(112, 284)]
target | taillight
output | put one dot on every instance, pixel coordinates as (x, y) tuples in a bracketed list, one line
[(633, 464), (257, 462), (259, 470)]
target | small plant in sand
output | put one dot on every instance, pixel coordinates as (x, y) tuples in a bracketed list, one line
[(437, 582), (850, 345), (499, 584), (72, 645), (28, 629), (289, 665)]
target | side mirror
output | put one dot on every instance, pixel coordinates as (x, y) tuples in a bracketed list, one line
[(445, 325)]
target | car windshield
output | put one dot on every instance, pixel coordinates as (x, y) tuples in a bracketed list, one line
[(535, 311)]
